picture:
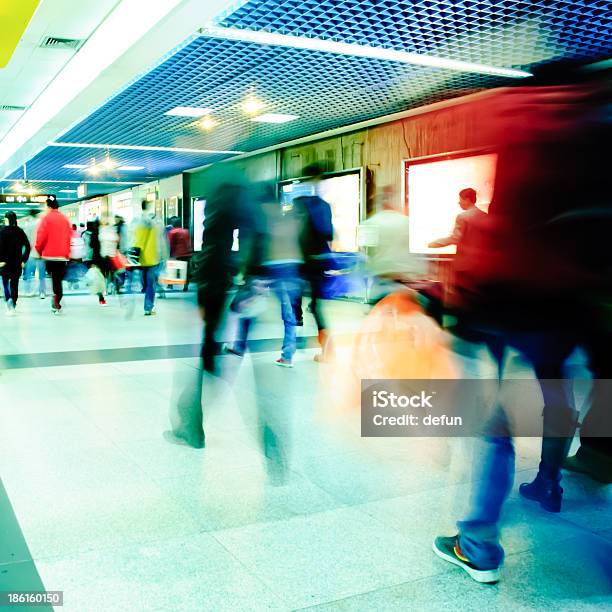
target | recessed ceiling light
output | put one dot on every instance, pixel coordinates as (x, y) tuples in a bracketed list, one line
[(108, 164), (274, 118), (67, 191), (252, 105), (207, 123), (187, 111), (129, 168), (75, 166)]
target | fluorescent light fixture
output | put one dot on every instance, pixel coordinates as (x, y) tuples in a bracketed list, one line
[(340, 48), (75, 166), (274, 118), (82, 145), (187, 111), (130, 168), (67, 191), (128, 23), (59, 180)]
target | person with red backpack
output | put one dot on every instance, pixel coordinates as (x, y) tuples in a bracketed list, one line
[(53, 244)]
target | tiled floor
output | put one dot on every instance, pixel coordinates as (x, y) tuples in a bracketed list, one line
[(119, 519)]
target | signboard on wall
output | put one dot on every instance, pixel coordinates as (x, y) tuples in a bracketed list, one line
[(25, 199), (172, 207)]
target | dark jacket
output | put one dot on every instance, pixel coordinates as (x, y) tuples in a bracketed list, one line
[(215, 264), (317, 228), (14, 249)]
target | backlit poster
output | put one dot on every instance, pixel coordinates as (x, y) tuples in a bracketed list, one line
[(343, 193), (432, 193), (199, 206)]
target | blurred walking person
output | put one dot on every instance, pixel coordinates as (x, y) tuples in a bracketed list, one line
[(14, 253), (390, 263), (53, 244), (273, 262), (109, 247), (150, 245), (524, 284), (316, 235), (179, 242), (214, 270), (35, 264)]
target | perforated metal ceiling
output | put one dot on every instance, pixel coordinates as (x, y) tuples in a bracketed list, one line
[(324, 90), (503, 33)]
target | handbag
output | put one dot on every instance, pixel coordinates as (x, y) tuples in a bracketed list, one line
[(119, 261), (95, 280)]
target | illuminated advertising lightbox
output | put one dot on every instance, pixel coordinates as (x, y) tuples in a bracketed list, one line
[(432, 192), (197, 218), (343, 193)]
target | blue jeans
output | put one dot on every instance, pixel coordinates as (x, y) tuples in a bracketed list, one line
[(149, 280), (547, 351), (32, 265), (284, 282), (286, 291)]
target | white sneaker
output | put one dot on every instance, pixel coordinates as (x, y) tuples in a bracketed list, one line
[(42, 296), (10, 309)]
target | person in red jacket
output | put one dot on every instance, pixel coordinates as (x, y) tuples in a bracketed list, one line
[(53, 244), (180, 246)]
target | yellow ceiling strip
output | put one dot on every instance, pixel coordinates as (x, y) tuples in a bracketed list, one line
[(14, 18)]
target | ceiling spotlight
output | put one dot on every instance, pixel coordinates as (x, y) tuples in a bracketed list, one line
[(274, 118), (252, 105), (187, 111), (108, 164), (130, 168), (207, 123), (94, 169), (30, 190), (19, 187)]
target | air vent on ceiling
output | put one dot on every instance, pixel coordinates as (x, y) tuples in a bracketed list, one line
[(51, 42), (9, 107)]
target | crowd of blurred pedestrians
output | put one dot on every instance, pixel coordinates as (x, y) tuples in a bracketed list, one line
[(531, 275)]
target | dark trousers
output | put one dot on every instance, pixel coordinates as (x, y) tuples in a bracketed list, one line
[(57, 271), (213, 303), (598, 345), (11, 286), (314, 274)]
